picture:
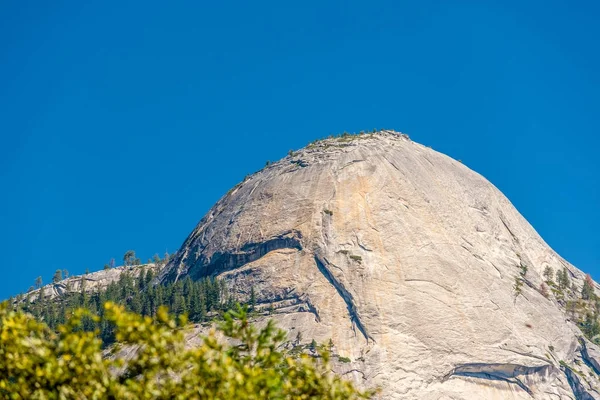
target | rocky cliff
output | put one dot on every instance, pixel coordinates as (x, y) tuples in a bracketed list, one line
[(423, 274)]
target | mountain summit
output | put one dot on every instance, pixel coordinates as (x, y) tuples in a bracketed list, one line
[(427, 280)]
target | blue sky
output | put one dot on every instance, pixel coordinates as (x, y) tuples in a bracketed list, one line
[(121, 123)]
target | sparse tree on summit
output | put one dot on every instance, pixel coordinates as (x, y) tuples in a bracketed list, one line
[(58, 276), (129, 257), (38, 282)]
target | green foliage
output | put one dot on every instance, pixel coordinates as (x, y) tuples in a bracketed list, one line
[(587, 292), (129, 258), (356, 258), (590, 326), (328, 212), (524, 269), (58, 276), (518, 287), (343, 137), (344, 359), (201, 300), (38, 363), (252, 299), (562, 278), (548, 274)]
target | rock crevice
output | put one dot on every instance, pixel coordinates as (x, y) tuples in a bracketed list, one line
[(323, 266)]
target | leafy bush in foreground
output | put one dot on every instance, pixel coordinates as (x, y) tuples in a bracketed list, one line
[(150, 361)]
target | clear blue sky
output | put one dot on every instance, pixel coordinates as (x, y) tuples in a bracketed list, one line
[(121, 123)]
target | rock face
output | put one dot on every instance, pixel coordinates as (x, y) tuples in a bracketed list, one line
[(408, 261)]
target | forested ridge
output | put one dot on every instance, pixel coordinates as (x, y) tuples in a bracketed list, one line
[(201, 300)]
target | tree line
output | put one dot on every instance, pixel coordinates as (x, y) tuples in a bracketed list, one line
[(200, 300)]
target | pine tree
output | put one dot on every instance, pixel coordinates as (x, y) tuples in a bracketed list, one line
[(57, 276), (252, 299), (82, 293), (135, 303), (38, 282), (590, 326), (149, 277), (587, 292), (563, 279), (141, 280), (41, 295), (178, 306), (129, 257), (548, 274)]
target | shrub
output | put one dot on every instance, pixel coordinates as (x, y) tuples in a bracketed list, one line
[(524, 269), (356, 258), (518, 287), (37, 363), (344, 359)]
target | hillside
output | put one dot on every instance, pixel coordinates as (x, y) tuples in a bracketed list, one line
[(428, 281)]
